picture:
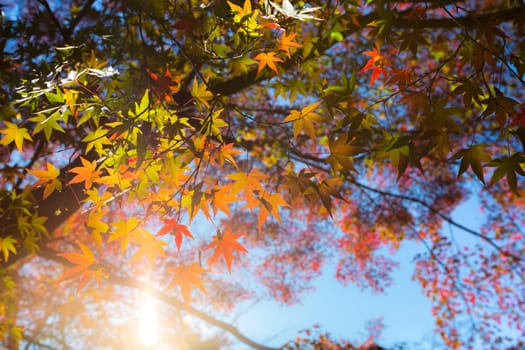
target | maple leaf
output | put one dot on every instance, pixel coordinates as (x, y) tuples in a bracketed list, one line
[(221, 198), (86, 173), (149, 248), (188, 277), (85, 265), (14, 134), (48, 177), (123, 229), (248, 182), (240, 12), (96, 139), (47, 123), (377, 62), (341, 153), (201, 94), (97, 225), (224, 245), (304, 120), (267, 59), (177, 230), (246, 16), (7, 244), (287, 43), (271, 204), (163, 86), (226, 152)]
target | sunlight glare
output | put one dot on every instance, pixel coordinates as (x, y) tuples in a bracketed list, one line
[(148, 331)]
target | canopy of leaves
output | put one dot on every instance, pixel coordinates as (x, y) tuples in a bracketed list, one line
[(157, 140)]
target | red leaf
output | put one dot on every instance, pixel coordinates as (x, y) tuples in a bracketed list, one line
[(177, 230)]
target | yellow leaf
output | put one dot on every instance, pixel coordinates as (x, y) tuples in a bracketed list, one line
[(303, 120), (149, 247), (201, 94), (14, 134), (7, 244), (123, 229)]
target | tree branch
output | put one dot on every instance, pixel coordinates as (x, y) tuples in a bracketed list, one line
[(172, 301)]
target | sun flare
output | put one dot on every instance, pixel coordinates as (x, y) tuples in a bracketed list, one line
[(148, 331)]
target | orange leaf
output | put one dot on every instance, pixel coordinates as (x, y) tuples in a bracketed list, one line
[(271, 204), (86, 173), (304, 120), (83, 262), (226, 152), (221, 198), (177, 230), (48, 177), (247, 181), (224, 245), (267, 59), (187, 277), (287, 43)]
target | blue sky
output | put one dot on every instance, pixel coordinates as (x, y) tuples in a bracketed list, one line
[(343, 311)]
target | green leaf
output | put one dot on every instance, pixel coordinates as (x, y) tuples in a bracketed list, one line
[(55, 98)]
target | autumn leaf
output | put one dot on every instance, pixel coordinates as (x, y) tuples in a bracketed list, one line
[(149, 247), (201, 94), (96, 139), (247, 181), (472, 157), (48, 124), (86, 173), (377, 62), (226, 152), (287, 43), (224, 244), (267, 59), (270, 204), (177, 230), (14, 134), (85, 265), (240, 12), (246, 17), (7, 244), (222, 197), (508, 167), (341, 153), (304, 120), (123, 230), (48, 177), (187, 277), (163, 86)]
